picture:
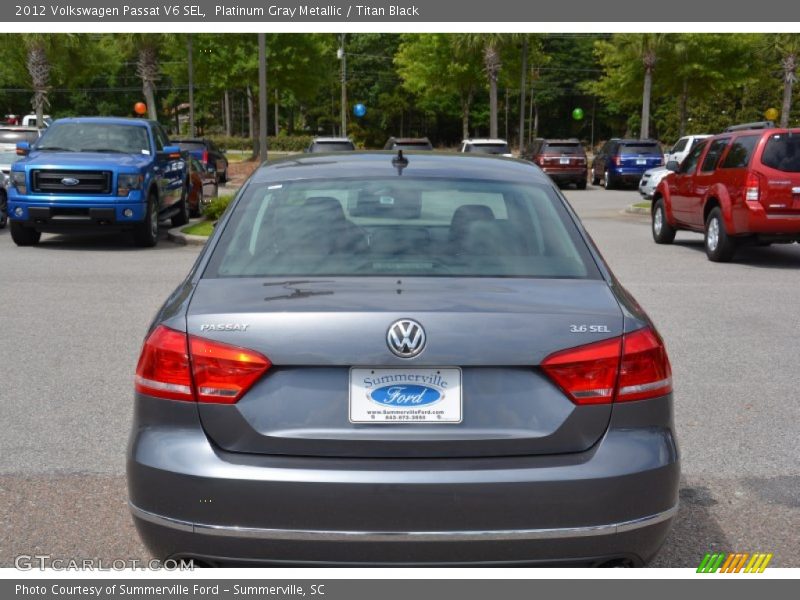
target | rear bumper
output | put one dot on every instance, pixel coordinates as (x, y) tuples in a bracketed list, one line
[(571, 175), (758, 221), (190, 499)]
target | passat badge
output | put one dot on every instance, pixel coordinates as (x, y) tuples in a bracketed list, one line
[(224, 327)]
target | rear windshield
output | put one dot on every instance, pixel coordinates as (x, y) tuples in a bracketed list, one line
[(564, 148), (489, 148), (782, 152), (651, 148), (189, 146), (411, 227), (332, 146), (12, 136)]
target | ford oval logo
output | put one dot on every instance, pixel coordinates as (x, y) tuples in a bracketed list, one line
[(405, 395), (70, 181)]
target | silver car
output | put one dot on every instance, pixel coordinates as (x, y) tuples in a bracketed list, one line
[(402, 360), (650, 180)]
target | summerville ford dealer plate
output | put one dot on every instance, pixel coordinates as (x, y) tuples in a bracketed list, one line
[(429, 395)]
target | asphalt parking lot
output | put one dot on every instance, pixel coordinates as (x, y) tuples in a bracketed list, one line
[(75, 309)]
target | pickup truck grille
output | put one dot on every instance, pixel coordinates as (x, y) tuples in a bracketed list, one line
[(88, 182)]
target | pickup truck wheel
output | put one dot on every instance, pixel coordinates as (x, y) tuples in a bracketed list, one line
[(182, 218), (663, 232), (24, 236), (224, 177), (146, 233), (3, 209), (720, 247)]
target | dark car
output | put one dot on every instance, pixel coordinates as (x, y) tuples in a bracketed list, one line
[(208, 153), (403, 143), (624, 161), (202, 187), (466, 386), (740, 187), (563, 160), (331, 144)]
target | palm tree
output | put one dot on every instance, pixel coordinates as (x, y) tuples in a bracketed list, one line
[(787, 47), (490, 44), (649, 45), (38, 65), (147, 47)]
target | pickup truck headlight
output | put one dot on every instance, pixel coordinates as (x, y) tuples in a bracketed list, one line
[(18, 181), (127, 182)]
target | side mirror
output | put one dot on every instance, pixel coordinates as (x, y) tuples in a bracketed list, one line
[(171, 152), (23, 148), (673, 166)]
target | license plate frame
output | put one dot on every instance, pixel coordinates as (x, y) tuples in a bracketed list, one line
[(405, 406)]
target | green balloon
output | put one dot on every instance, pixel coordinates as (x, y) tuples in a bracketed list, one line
[(577, 114)]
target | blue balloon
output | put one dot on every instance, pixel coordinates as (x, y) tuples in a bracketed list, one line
[(359, 110)]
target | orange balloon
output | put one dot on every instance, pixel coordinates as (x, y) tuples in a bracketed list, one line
[(140, 108)]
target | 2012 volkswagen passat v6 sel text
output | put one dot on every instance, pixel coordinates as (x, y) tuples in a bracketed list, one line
[(402, 360)]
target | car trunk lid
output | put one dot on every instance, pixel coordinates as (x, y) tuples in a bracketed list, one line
[(488, 334)]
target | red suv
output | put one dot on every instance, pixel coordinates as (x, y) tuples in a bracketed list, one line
[(738, 187), (563, 160)]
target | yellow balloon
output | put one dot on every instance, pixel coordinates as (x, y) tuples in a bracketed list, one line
[(771, 114)]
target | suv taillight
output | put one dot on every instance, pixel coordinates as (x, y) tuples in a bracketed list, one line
[(752, 185), (175, 366), (617, 160), (205, 157), (632, 367)]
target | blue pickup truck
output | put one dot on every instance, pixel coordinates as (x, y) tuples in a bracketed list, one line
[(97, 173)]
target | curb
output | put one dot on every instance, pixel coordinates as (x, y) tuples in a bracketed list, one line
[(176, 236), (634, 210)]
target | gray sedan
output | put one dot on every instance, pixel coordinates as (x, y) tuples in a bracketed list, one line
[(394, 359)]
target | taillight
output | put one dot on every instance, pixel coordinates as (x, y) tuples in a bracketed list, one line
[(588, 373), (223, 373), (645, 371), (176, 368), (163, 370), (617, 160), (632, 367), (752, 186), (205, 157)]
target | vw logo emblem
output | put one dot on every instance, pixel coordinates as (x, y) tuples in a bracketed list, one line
[(70, 181), (406, 338)]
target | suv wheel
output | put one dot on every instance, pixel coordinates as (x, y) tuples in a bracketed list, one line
[(3, 209), (224, 177), (595, 178), (146, 233), (581, 185), (24, 236), (182, 218), (720, 247), (607, 182), (663, 232)]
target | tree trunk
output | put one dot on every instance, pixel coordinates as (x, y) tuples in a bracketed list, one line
[(250, 116), (535, 120), (523, 73), (277, 102), (466, 103), (39, 70), (147, 70), (682, 108), (648, 87), (789, 73), (227, 102), (491, 60)]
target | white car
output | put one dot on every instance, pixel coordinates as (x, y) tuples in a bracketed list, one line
[(650, 180), (486, 146), (683, 146)]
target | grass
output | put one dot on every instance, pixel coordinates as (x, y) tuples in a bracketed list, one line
[(204, 228), (644, 204)]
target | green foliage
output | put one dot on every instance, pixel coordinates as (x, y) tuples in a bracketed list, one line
[(281, 143), (214, 210)]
